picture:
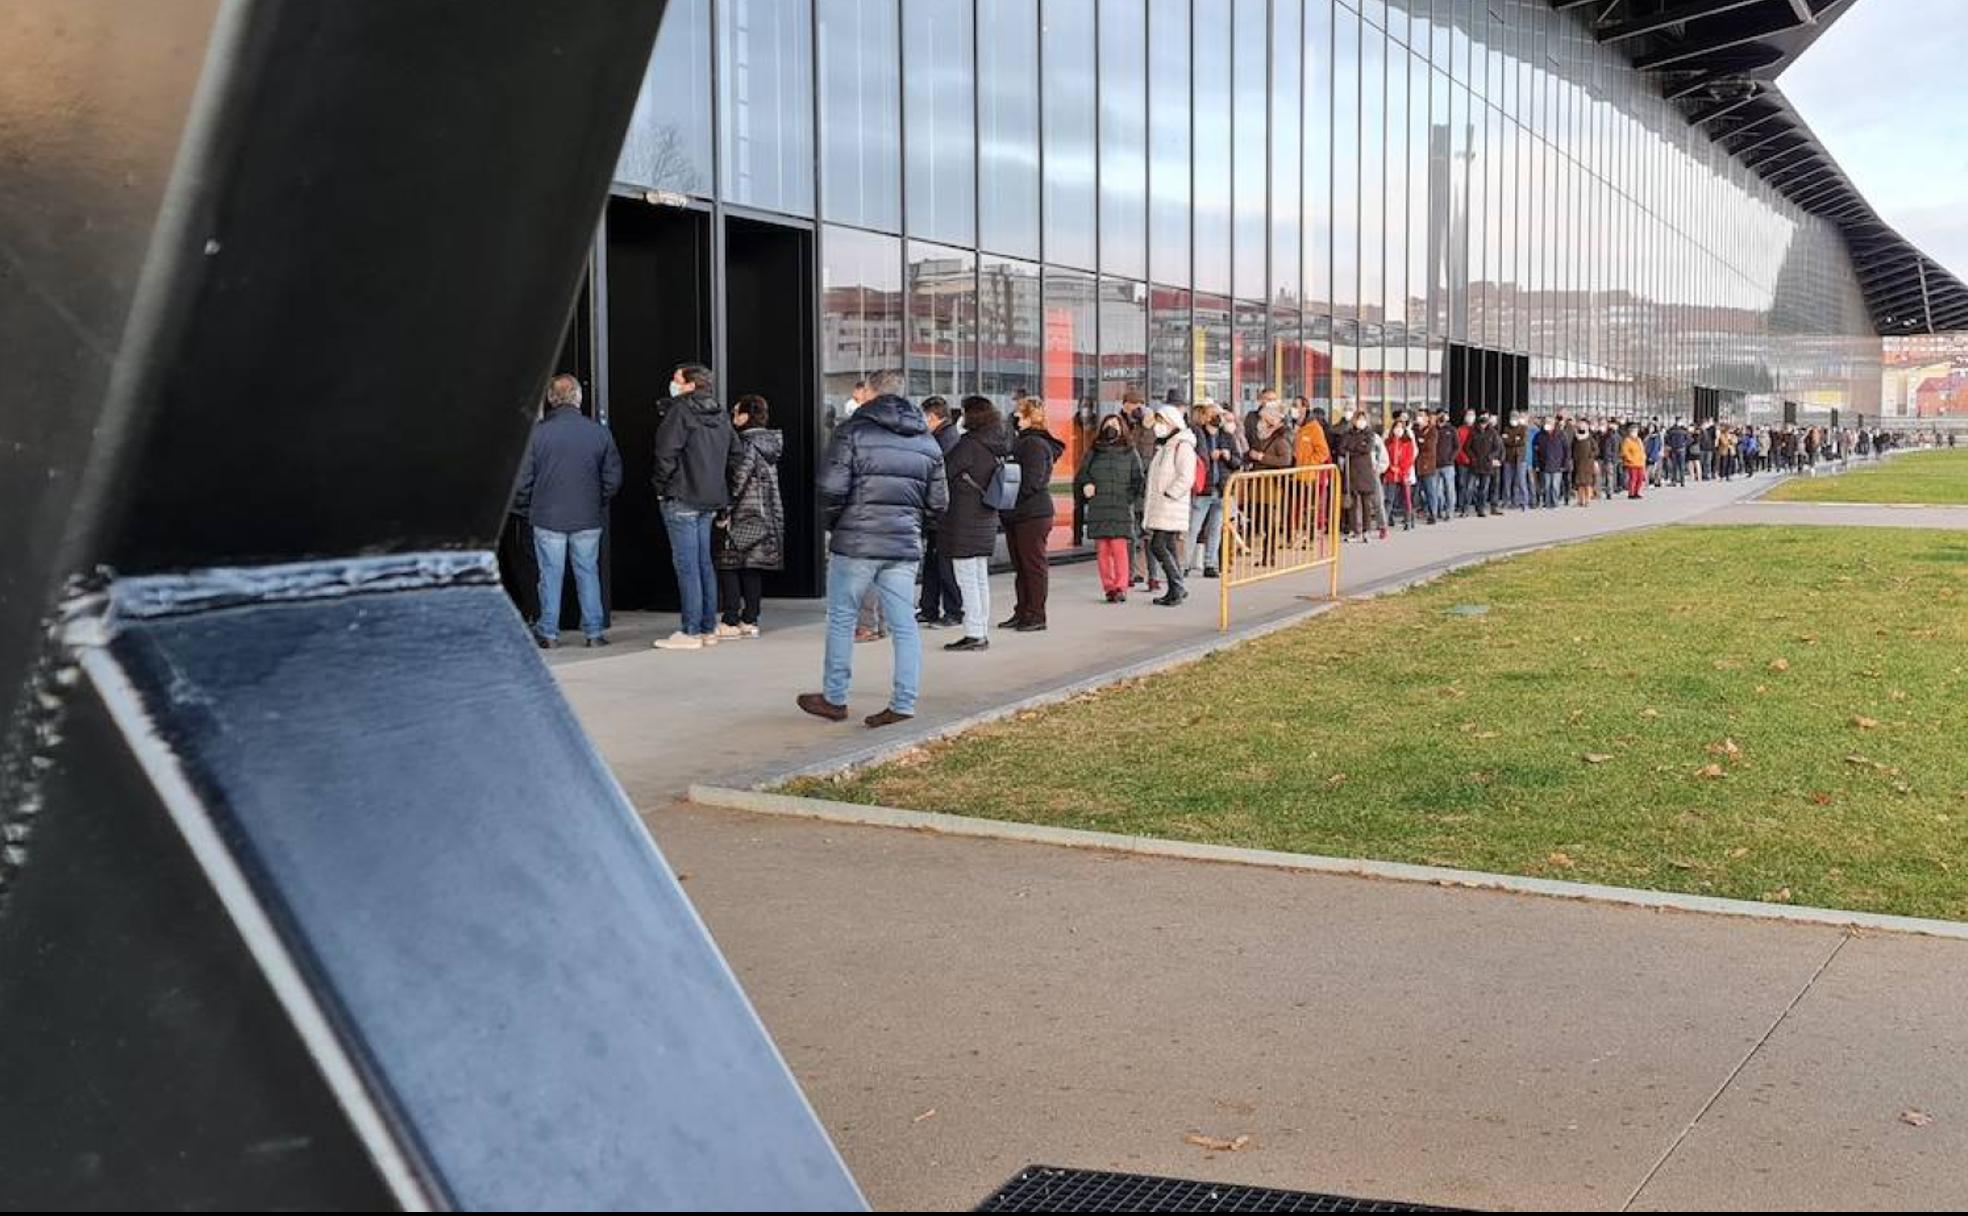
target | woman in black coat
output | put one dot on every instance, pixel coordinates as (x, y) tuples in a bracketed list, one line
[(1028, 524), (750, 535), (968, 532)]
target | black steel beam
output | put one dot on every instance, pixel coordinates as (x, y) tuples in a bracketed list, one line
[(1713, 37), (1720, 109), (313, 894), (1680, 14)]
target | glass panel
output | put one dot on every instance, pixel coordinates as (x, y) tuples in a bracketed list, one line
[(941, 106), (1171, 344), (1250, 363), (1008, 128), (1212, 349), (1070, 212), (860, 128), (1011, 327), (1212, 125), (1318, 160), (1346, 163), (1123, 138), (1168, 143), (942, 354), (669, 141), (1070, 383), (1250, 72), (765, 90), (1123, 338), (1287, 107), (860, 310)]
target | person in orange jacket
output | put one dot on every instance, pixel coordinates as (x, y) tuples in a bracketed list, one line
[(1633, 459)]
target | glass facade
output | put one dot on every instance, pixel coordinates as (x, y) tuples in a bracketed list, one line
[(1078, 198)]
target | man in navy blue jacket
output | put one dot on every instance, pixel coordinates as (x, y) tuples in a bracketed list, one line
[(881, 487), (572, 470)]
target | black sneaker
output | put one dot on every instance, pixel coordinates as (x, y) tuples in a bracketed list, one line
[(951, 622), (968, 644), (1210, 573), (546, 643), (599, 639), (1029, 627), (1011, 622)]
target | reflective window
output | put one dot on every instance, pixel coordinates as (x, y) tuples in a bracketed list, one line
[(1123, 338), (1011, 327), (668, 146), (860, 120), (1287, 108), (1212, 347), (1168, 142), (1346, 163), (1250, 355), (860, 309), (1250, 183), (1070, 211), (1212, 126), (1171, 344), (1008, 128), (765, 94), (1317, 129), (1070, 382), (940, 102), (942, 349), (1123, 138)]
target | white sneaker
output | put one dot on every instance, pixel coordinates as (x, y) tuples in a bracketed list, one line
[(748, 631), (679, 641), (726, 632)]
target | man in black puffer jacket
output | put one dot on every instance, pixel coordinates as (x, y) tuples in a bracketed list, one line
[(881, 485)]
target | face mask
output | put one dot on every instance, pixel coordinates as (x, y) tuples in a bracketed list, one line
[(677, 389), (1162, 430), (1360, 423)]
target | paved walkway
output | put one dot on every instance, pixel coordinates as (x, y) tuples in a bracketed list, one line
[(1372, 1038), (1842, 515)]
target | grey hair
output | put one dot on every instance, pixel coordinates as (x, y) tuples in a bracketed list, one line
[(885, 383), (563, 390)]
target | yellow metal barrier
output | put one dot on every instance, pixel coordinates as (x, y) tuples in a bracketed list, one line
[(1278, 522)]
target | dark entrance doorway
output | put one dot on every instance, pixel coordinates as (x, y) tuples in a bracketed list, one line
[(1486, 381), (769, 328), (658, 286)]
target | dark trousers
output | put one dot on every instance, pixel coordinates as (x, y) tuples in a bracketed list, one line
[(734, 585), (1161, 549), (941, 598), (1027, 541), (1483, 490)]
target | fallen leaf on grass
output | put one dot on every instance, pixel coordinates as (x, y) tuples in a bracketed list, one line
[(1739, 853), (1727, 664), (1596, 757), (1916, 1118), (1809, 639), (1761, 689), (1901, 787), (1575, 715), (1728, 747), (1215, 1145), (928, 1114), (1710, 772), (1336, 780), (1650, 713), (1485, 734), (1561, 860), (1897, 695), (1779, 664), (1777, 897), (1678, 864), (1859, 760), (1864, 723), (1821, 799)]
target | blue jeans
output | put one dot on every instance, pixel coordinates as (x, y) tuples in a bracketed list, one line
[(1517, 485), (550, 551), (1205, 532), (1441, 495), (1554, 488), (894, 581), (690, 554)]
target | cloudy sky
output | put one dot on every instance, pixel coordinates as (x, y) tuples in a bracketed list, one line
[(1886, 89)]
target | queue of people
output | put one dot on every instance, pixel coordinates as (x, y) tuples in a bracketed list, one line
[(915, 496)]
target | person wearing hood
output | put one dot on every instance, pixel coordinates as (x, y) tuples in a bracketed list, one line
[(881, 483), (967, 534), (1171, 481), (696, 451), (1028, 523), (751, 535), (1112, 485)]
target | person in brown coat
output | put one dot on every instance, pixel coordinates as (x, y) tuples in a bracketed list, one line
[(1425, 456), (1585, 463)]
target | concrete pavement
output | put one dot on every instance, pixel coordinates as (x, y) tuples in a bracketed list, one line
[(1380, 1039)]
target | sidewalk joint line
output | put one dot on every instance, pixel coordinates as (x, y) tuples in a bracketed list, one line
[(1737, 1071)]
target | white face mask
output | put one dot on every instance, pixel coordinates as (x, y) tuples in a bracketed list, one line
[(678, 388), (1162, 430)]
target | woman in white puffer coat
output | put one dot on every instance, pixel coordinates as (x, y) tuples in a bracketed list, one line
[(1171, 480)]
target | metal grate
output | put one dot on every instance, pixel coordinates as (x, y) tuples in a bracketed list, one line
[(1045, 1188)]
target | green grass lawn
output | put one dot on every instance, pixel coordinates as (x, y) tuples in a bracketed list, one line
[(1757, 712), (1933, 478)]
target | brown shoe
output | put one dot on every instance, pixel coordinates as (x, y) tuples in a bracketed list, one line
[(886, 717), (820, 707)]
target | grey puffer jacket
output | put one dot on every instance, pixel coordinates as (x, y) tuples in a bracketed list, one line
[(882, 482)]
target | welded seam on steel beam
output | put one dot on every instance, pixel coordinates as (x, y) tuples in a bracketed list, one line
[(155, 596)]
